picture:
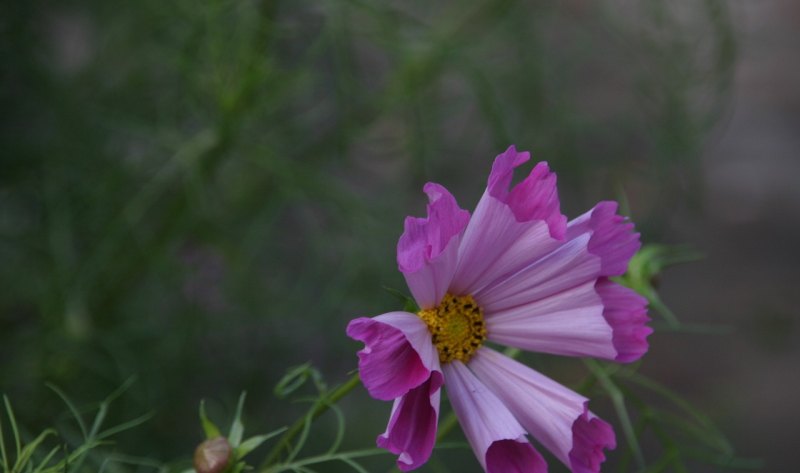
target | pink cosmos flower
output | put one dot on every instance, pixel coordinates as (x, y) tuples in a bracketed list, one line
[(515, 273)]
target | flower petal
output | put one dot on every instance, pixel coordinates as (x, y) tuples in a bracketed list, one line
[(590, 436), (570, 323), (567, 266), (428, 248), (555, 416), (495, 436), (599, 243), (626, 312), (612, 237), (509, 229), (398, 354), (411, 433)]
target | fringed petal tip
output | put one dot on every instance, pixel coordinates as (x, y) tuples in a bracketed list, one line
[(426, 238), (535, 198), (411, 433), (590, 436), (389, 366), (626, 312), (613, 239)]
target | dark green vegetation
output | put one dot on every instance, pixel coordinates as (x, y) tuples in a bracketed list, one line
[(202, 194)]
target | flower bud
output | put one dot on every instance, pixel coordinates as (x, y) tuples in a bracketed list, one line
[(212, 456)]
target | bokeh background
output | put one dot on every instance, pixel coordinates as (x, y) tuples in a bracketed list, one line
[(202, 194)]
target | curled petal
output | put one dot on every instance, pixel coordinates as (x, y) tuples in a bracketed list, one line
[(510, 228), (590, 436), (626, 313), (613, 238), (495, 436), (556, 416), (428, 248), (411, 433), (398, 354)]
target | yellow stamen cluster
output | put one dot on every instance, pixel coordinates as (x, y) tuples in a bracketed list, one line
[(457, 327)]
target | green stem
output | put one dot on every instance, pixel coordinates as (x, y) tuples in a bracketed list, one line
[(316, 410), (343, 456), (618, 400)]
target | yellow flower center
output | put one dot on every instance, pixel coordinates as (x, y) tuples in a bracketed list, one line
[(457, 327)]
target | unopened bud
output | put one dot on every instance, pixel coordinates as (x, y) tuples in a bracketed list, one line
[(212, 456)]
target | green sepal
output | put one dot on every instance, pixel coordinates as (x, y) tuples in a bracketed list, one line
[(210, 429)]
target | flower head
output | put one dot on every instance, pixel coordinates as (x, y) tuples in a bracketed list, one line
[(517, 273)]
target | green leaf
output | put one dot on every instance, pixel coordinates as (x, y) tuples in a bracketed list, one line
[(618, 400), (237, 427), (28, 450), (409, 304), (75, 413), (254, 442), (13, 422), (297, 377), (209, 427)]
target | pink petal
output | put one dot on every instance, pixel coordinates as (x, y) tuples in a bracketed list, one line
[(509, 229), (428, 248), (612, 237), (569, 265), (570, 323), (535, 198), (626, 312), (590, 436), (398, 354), (411, 432), (495, 436), (556, 416)]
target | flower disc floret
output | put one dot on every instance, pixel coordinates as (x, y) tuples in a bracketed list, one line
[(457, 327)]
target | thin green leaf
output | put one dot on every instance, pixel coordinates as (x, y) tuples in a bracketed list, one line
[(46, 460), (3, 446), (29, 449), (210, 429), (292, 380), (13, 421), (120, 390), (340, 429), (124, 426), (354, 465), (237, 427), (75, 413), (704, 420), (253, 443), (98, 420), (618, 400), (301, 441)]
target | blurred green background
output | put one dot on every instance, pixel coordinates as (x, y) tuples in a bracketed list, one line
[(202, 194)]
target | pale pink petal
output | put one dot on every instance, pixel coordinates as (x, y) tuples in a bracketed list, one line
[(495, 436), (411, 432), (599, 243), (398, 354), (626, 312), (567, 266), (613, 238), (570, 323), (554, 415), (509, 229), (428, 248)]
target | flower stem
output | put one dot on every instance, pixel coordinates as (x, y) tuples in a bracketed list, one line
[(319, 407)]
